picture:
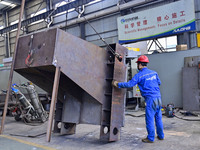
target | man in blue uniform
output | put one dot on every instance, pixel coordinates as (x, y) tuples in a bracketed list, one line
[(148, 82)]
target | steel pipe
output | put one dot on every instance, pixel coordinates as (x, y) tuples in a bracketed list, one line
[(12, 68)]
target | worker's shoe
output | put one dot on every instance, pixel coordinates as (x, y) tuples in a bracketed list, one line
[(160, 138), (146, 140)]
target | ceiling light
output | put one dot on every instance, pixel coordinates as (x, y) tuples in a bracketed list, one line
[(5, 3)]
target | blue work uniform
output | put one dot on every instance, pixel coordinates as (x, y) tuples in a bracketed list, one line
[(148, 82)]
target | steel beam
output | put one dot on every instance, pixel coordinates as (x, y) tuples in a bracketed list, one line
[(49, 4), (47, 14), (12, 69), (17, 2), (82, 28), (25, 28), (53, 103), (6, 36)]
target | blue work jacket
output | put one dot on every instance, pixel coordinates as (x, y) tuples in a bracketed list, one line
[(148, 82)]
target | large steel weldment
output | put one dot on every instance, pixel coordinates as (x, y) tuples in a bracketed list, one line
[(85, 94)]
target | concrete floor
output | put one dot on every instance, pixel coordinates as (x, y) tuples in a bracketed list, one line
[(179, 135)]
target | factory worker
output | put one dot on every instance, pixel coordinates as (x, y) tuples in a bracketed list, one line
[(148, 82)]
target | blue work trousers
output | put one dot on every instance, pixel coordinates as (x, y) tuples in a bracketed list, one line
[(153, 110)]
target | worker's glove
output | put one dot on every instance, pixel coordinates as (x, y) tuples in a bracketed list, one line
[(115, 83)]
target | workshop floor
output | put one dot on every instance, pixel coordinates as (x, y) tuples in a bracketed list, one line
[(179, 135)]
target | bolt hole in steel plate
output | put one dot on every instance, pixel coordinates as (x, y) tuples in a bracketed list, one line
[(115, 131), (39, 46), (46, 59), (105, 130), (59, 125), (67, 126)]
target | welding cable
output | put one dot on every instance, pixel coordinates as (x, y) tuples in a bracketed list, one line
[(110, 48), (186, 119), (117, 55), (32, 123), (102, 39), (30, 136), (142, 115)]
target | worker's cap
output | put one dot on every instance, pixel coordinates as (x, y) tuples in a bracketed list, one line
[(143, 58)]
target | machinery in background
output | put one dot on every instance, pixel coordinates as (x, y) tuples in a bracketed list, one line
[(28, 110), (169, 112), (133, 95), (191, 83), (44, 97)]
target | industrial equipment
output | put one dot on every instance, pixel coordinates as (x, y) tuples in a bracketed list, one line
[(191, 83), (169, 112), (85, 94), (28, 110), (133, 95)]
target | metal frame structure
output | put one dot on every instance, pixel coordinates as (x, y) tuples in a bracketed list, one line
[(18, 2), (162, 49), (47, 14), (78, 27), (12, 69), (84, 73)]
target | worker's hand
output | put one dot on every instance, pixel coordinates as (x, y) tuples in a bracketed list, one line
[(115, 83)]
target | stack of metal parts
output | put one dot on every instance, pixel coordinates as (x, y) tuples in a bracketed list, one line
[(191, 83), (85, 94)]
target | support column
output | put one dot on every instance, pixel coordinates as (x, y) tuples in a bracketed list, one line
[(53, 103), (82, 30), (6, 35), (49, 7), (12, 68), (184, 39), (25, 28)]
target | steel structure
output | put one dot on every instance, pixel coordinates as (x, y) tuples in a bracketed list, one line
[(86, 71), (12, 68), (47, 14), (102, 14)]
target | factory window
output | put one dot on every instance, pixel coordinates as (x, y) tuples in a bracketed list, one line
[(69, 1), (168, 44), (64, 12), (14, 22), (63, 3), (93, 2), (39, 12), (60, 4), (7, 4)]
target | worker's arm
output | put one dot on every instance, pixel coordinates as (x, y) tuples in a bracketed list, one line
[(130, 83), (158, 79)]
